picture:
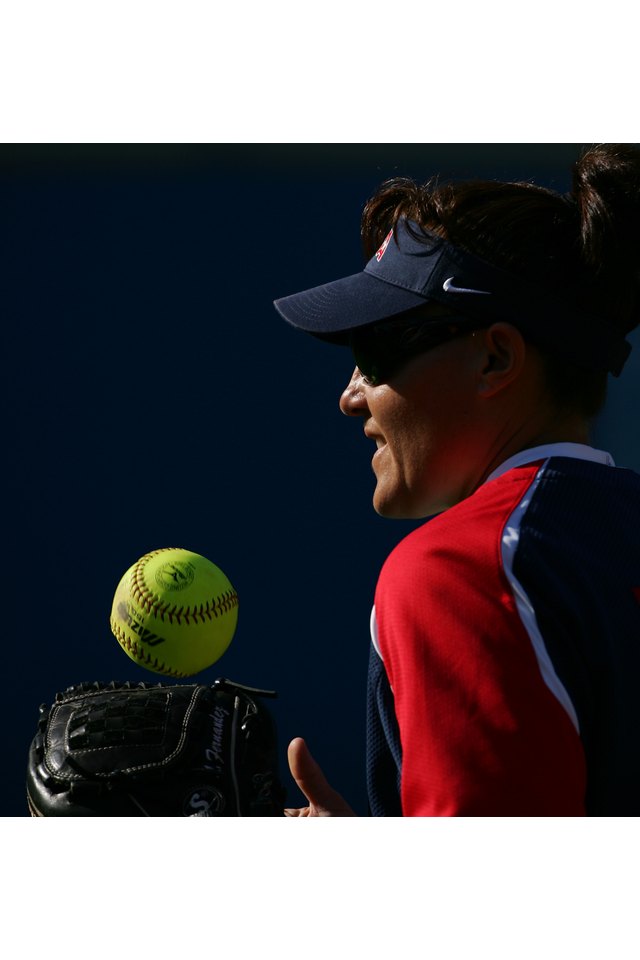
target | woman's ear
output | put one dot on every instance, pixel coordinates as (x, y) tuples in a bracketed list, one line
[(503, 356)]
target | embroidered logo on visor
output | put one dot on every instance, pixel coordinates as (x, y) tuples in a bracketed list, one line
[(385, 244), (449, 287)]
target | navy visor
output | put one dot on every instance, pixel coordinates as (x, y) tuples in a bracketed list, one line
[(414, 267)]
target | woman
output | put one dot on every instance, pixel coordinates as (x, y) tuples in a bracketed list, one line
[(506, 629)]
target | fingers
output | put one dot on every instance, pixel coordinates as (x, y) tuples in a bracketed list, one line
[(306, 772), (324, 801)]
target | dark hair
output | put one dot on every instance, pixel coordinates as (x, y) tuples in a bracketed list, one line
[(588, 240)]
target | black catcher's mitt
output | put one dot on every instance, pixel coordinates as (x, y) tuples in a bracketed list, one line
[(161, 750)]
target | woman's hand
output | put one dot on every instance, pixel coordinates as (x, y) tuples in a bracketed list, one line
[(324, 801)]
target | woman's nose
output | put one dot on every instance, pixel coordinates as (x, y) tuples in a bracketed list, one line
[(353, 402)]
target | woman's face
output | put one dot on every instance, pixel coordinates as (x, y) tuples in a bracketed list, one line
[(424, 424)]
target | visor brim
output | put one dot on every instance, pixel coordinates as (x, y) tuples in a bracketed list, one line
[(334, 309)]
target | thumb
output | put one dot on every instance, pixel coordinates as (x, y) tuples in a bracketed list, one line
[(313, 783)]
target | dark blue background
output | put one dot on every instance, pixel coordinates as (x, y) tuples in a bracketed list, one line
[(154, 398)]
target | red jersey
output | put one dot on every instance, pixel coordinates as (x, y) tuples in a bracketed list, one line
[(502, 632)]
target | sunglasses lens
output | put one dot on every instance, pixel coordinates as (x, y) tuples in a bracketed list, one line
[(375, 360), (379, 352)]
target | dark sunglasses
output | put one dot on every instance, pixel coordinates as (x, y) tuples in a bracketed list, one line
[(382, 349)]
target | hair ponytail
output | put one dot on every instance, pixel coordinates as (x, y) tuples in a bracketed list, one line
[(606, 189)]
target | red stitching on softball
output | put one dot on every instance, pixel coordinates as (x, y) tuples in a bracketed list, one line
[(142, 656), (157, 608)]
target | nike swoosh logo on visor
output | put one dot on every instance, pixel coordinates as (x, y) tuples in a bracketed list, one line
[(448, 287)]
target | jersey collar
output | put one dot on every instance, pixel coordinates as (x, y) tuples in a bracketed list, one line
[(579, 451)]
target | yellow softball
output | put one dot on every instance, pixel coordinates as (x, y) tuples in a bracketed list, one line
[(174, 612)]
